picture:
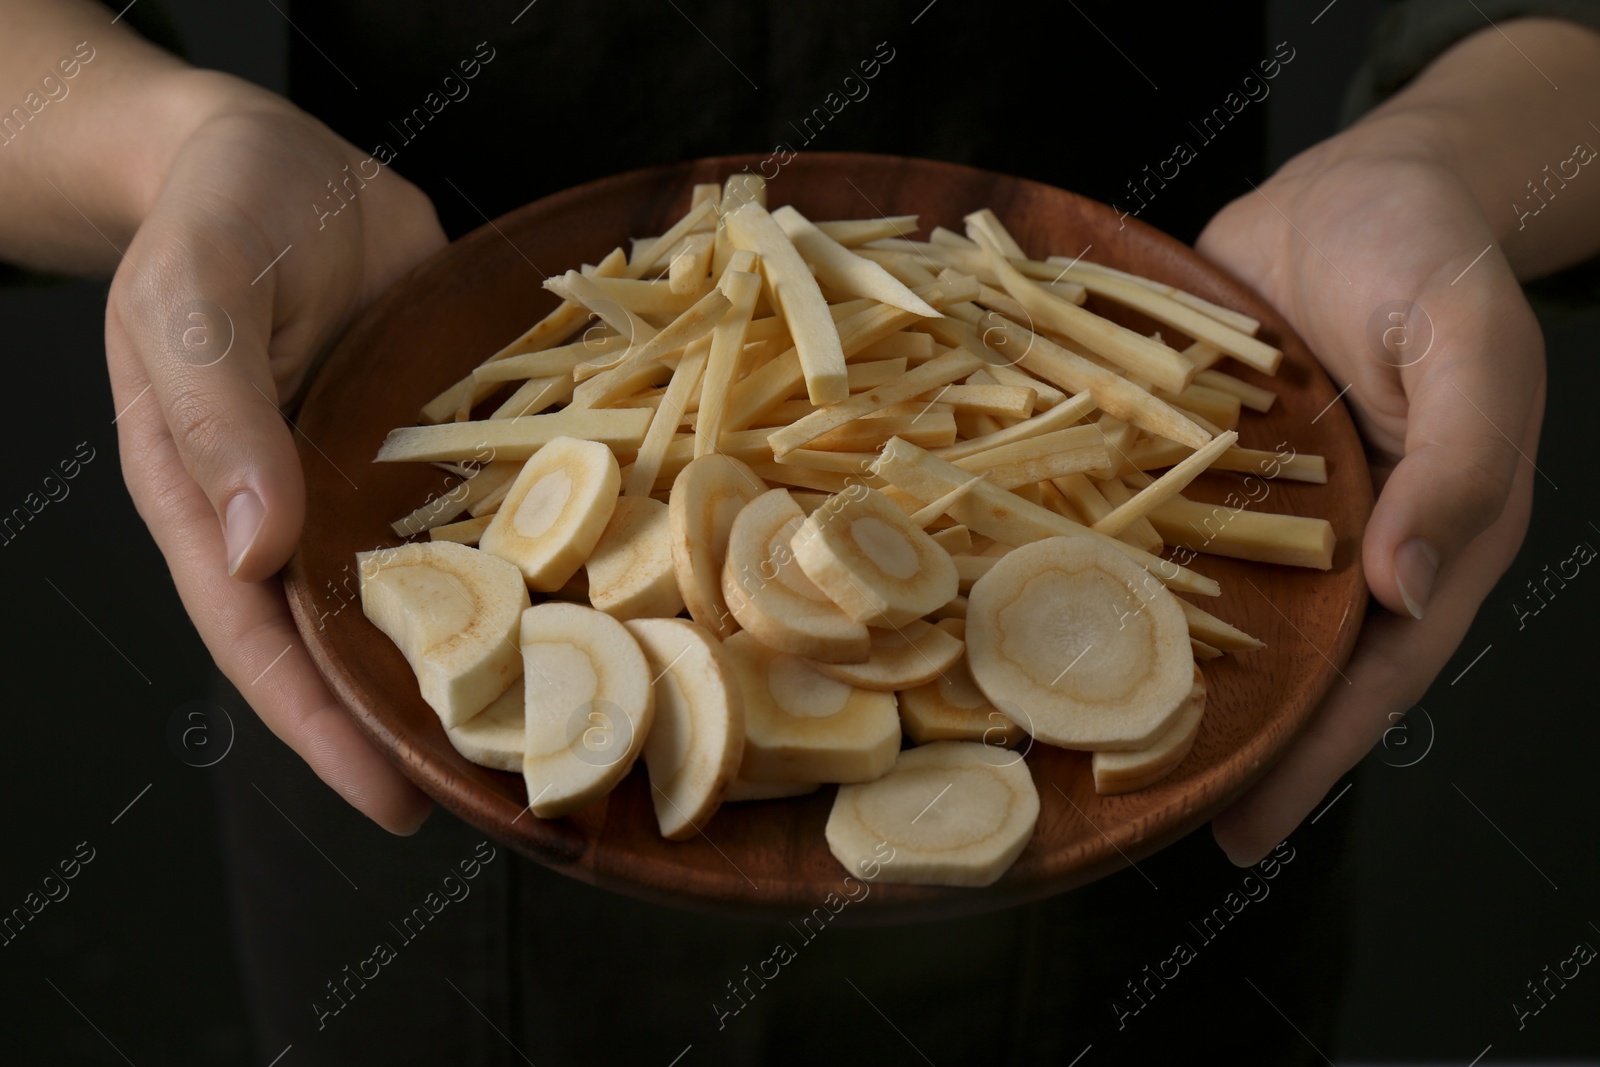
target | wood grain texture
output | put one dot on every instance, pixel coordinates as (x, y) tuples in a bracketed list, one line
[(770, 857)]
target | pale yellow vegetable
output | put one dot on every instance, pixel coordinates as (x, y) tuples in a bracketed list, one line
[(1124, 772), (555, 511), (495, 736), (901, 657), (706, 496), (631, 574)]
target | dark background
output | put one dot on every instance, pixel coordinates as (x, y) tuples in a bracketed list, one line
[(1450, 915)]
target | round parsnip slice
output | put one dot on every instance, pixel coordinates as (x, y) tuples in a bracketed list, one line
[(706, 496), (1123, 772), (771, 596), (630, 573), (696, 737), (901, 657), (588, 709), (951, 707), (453, 612), (1094, 647), (802, 727), (555, 511), (741, 789), (952, 812), (494, 737), (872, 560)]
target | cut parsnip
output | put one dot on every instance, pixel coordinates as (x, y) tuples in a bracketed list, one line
[(771, 596), (631, 574), (842, 270), (1292, 540), (803, 727), (465, 532), (696, 738), (952, 812), (872, 561), (494, 737), (1123, 772), (1094, 648), (555, 511), (901, 658), (452, 611), (508, 439), (588, 709), (705, 498), (951, 707)]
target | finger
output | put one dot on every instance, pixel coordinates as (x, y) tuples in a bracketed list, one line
[(1395, 661), (247, 626), (1469, 402)]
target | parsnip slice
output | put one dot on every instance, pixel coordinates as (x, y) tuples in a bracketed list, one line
[(494, 737), (631, 575), (801, 726), (770, 595), (589, 705), (901, 658), (872, 561), (705, 497), (555, 511), (1094, 648), (953, 813), (1123, 772), (696, 738), (452, 611), (951, 707)]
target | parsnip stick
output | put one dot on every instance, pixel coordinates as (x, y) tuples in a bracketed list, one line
[(685, 383), (1238, 320), (1204, 626), (1203, 355), (911, 347), (1036, 459), (1292, 540), (703, 192), (1251, 396), (1047, 395), (1141, 534), (954, 539), (942, 236), (1135, 353), (841, 269), (1059, 417), (1165, 487), (872, 373), (795, 295), (1001, 401), (1203, 652), (1148, 455), (740, 286), (926, 429), (855, 232), (947, 368), (622, 429), (575, 288), (1006, 517), (534, 396), (651, 299), (465, 532), (550, 362), (646, 258), (1218, 408), (615, 376), (990, 223), (687, 269), (929, 513)]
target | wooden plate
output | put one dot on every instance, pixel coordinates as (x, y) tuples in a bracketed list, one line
[(483, 290)]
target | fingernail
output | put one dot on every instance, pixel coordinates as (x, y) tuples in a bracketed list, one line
[(242, 521), (1416, 564)]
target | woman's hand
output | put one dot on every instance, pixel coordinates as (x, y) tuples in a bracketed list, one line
[(1448, 396), (239, 276)]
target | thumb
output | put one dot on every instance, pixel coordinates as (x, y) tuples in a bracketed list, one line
[(1469, 402), (202, 331)]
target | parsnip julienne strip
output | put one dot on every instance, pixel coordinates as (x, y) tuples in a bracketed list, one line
[(622, 429), (1238, 320), (727, 342), (942, 236), (927, 429), (550, 362), (841, 269), (1251, 396), (649, 299), (1291, 540), (1140, 534), (546, 333), (687, 269), (990, 223), (691, 221), (797, 298), (869, 374), (534, 396), (1073, 450), (1059, 417), (854, 232), (465, 532), (1203, 355), (576, 289), (941, 371), (1135, 353), (1204, 626), (614, 380), (773, 381), (911, 347), (1007, 517), (1114, 394), (1004, 401), (1148, 455), (936, 509), (685, 383), (709, 191), (1165, 487), (1046, 395)]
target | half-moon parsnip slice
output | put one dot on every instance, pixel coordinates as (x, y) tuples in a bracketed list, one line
[(901, 657), (631, 575), (494, 737), (951, 707), (705, 497), (555, 511)]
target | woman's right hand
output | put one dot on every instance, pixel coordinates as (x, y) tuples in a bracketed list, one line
[(239, 276)]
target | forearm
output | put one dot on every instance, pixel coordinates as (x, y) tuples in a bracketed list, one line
[(90, 117), (1491, 110)]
